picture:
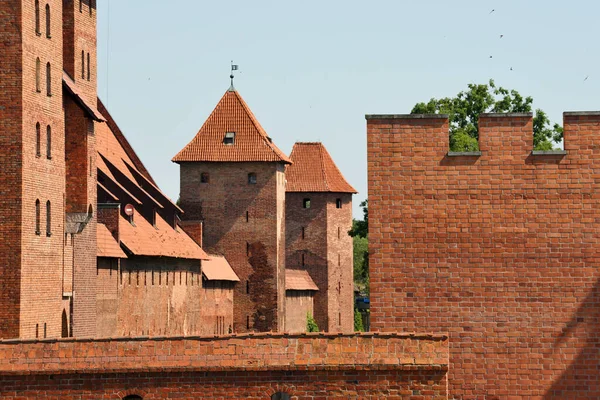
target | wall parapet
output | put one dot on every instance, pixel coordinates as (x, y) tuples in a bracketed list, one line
[(226, 353)]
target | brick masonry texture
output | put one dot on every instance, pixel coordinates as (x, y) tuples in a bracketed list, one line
[(298, 303), (243, 222), (500, 250), (367, 366), (329, 261)]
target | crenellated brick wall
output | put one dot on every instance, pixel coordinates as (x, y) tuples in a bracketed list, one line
[(500, 249), (367, 366)]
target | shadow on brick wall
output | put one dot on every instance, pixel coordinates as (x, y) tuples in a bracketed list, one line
[(581, 379)]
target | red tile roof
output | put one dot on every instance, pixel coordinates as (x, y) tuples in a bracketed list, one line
[(107, 245), (218, 269), (88, 107), (296, 279), (144, 239), (251, 143), (313, 170)]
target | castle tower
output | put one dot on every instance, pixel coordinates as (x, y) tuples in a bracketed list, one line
[(35, 298), (232, 181), (318, 217)]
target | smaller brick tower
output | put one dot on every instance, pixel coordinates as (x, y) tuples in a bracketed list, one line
[(232, 182), (318, 217)]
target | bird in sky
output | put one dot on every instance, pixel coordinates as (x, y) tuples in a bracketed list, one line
[(511, 68), (492, 11), (490, 56), (586, 78), (501, 36)]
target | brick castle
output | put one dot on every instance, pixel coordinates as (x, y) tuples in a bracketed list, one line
[(111, 290)]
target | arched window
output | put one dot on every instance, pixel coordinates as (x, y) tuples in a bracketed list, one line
[(38, 75), (82, 64), (38, 140), (65, 325), (48, 20), (133, 397), (88, 66), (48, 142), (37, 18), (280, 396), (37, 217), (48, 219), (48, 80)]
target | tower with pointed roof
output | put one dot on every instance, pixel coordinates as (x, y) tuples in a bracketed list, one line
[(232, 182), (318, 218)]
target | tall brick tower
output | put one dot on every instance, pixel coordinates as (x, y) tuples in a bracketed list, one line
[(232, 181), (318, 217), (35, 299)]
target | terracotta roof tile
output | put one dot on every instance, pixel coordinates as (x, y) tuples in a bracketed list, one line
[(107, 245), (313, 170), (88, 107), (296, 279), (216, 268), (251, 143), (144, 239)]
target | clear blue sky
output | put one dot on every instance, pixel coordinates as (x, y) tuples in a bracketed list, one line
[(311, 70)]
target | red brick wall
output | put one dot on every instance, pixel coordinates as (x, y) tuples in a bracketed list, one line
[(499, 250), (157, 296), (253, 246), (299, 303), (340, 263), (216, 307), (42, 177), (327, 257), (11, 158), (309, 366)]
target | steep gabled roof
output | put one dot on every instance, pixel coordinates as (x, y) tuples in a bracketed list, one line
[(313, 170), (90, 109), (251, 143)]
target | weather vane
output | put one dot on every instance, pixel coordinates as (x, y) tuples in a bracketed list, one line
[(234, 67)]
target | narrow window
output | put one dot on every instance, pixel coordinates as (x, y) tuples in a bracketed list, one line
[(82, 64), (247, 249), (37, 18), (306, 203), (338, 203), (340, 319), (339, 232), (92, 4), (48, 35), (204, 177), (38, 140), (303, 259), (339, 260), (247, 287), (48, 219), (48, 142), (38, 75), (37, 331), (247, 322), (45, 331), (229, 138), (37, 217), (91, 168), (152, 277), (48, 80), (252, 178), (80, 5), (88, 66), (247, 216), (302, 232), (159, 276)]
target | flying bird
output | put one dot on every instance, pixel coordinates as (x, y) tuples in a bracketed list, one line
[(586, 78), (501, 36), (511, 68), (492, 11), (490, 56)]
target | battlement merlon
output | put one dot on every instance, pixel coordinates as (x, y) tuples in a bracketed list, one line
[(502, 136)]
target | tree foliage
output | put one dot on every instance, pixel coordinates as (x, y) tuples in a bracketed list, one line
[(311, 324), (358, 322), (360, 240), (464, 109)]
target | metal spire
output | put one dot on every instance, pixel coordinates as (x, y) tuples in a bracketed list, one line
[(234, 67)]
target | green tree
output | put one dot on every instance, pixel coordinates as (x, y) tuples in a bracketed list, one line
[(464, 109), (358, 323), (311, 324), (360, 240)]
